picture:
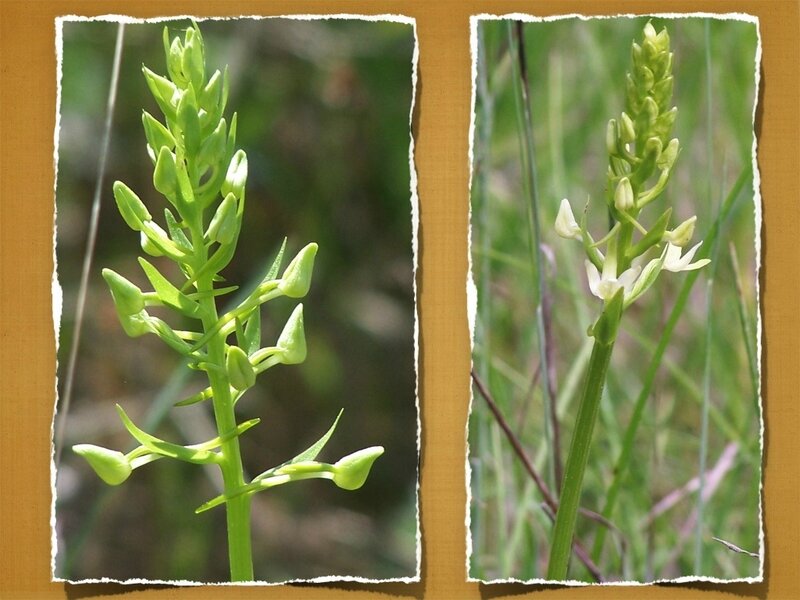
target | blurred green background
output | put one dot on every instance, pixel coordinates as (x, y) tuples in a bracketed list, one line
[(323, 109), (576, 70)]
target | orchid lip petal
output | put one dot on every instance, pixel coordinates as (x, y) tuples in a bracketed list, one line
[(675, 262)]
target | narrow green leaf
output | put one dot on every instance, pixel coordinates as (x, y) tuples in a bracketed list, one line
[(176, 232), (240, 339), (647, 278), (213, 293), (276, 264), (653, 237), (168, 293), (167, 449), (309, 453), (312, 451), (252, 332)]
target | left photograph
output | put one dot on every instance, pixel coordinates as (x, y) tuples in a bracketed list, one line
[(235, 245)]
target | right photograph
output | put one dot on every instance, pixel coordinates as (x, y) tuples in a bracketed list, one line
[(615, 430)]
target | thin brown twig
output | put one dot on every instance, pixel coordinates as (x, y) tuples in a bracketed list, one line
[(550, 501), (735, 548)]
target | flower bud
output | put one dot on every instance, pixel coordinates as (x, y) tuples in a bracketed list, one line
[(163, 90), (566, 225), (112, 466), (636, 54), (652, 150), (212, 99), (627, 130), (165, 175), (136, 325), (209, 97), (645, 79), (649, 111), (133, 210), (653, 147), (291, 343), (148, 245), (634, 103), (351, 471), (189, 121), (667, 157), (663, 124), (157, 135), (193, 63), (681, 235), (174, 54), (611, 137), (649, 31), (667, 64), (128, 298), (296, 279), (241, 373), (662, 40), (158, 242), (213, 147), (662, 92), (649, 48), (222, 228), (236, 177), (623, 195)]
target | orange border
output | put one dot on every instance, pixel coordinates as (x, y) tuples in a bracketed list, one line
[(27, 353)]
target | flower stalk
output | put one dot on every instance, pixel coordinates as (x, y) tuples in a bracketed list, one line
[(202, 175), (641, 157)]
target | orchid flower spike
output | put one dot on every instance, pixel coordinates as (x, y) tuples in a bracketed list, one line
[(566, 225), (673, 261)]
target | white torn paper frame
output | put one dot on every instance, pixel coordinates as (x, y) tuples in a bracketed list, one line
[(324, 108), (687, 503)]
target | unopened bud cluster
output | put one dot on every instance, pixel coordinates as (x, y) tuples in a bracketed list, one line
[(641, 157)]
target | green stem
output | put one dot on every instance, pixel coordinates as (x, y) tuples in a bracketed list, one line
[(237, 506), (569, 500)]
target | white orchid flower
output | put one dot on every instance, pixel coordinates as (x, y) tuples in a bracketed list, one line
[(606, 286), (566, 225), (673, 261)]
